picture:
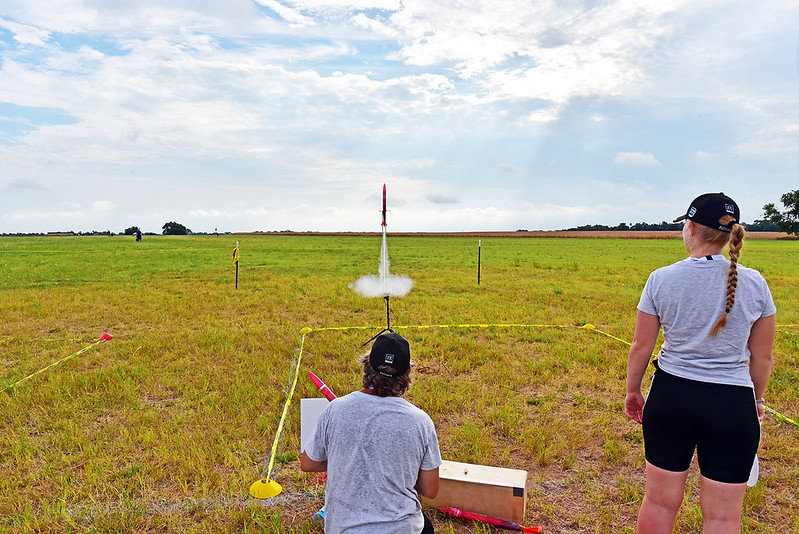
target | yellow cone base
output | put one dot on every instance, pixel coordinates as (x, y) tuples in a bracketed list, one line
[(265, 489)]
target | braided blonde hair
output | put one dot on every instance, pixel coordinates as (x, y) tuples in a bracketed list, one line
[(735, 237)]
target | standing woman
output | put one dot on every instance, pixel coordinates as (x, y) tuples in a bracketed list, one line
[(718, 322)]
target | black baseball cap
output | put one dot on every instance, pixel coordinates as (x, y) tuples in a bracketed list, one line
[(391, 349), (707, 209)]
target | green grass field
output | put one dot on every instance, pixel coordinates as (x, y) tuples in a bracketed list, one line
[(164, 427)]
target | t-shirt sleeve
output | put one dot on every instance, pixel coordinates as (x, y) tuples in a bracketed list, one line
[(316, 444), (432, 455), (769, 308), (647, 304)]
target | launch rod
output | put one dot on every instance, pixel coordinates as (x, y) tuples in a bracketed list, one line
[(388, 316)]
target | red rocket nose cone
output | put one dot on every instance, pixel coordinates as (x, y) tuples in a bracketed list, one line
[(315, 379)]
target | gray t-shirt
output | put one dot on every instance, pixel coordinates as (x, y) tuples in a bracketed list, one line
[(688, 297), (374, 448)]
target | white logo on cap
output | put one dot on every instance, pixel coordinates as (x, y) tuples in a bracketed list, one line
[(692, 211), (389, 359), (730, 208)]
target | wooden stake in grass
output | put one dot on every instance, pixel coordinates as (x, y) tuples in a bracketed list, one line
[(479, 248), (236, 262)]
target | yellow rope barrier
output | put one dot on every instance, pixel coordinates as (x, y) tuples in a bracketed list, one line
[(104, 337), (21, 340), (780, 417), (308, 329), (289, 394)]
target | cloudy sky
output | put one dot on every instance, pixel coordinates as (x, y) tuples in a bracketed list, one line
[(248, 115)]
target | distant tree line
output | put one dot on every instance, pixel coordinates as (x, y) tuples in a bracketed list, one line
[(757, 226), (624, 227), (773, 221)]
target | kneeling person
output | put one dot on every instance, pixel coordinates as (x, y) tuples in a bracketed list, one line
[(379, 450)]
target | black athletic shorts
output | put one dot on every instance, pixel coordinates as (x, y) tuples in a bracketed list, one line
[(428, 525), (718, 420)]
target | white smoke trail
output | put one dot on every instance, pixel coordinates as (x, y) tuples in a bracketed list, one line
[(372, 285), (384, 284)]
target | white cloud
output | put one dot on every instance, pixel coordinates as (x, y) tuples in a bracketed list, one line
[(288, 14), (213, 214), (348, 5), (102, 205), (443, 199), (362, 21), (24, 183), (25, 34), (636, 159), (543, 115), (596, 49), (43, 215), (507, 168)]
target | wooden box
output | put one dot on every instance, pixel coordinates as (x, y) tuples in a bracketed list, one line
[(487, 490)]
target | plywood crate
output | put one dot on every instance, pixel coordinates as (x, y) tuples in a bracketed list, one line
[(487, 490)]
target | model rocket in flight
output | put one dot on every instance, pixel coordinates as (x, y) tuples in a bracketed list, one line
[(383, 284), (384, 206)]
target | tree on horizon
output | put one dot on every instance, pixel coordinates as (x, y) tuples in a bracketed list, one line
[(173, 228), (787, 220)]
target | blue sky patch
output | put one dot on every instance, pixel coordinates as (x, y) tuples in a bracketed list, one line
[(18, 120)]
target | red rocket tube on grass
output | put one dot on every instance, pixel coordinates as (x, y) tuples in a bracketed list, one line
[(497, 522), (323, 389)]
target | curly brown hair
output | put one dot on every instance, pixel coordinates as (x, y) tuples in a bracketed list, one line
[(383, 386)]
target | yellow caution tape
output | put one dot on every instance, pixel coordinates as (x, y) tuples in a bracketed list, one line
[(105, 337), (79, 340), (285, 410), (779, 416)]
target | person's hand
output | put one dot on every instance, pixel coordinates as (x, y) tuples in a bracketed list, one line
[(761, 412), (634, 406)]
